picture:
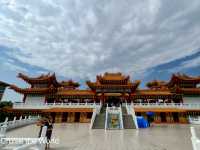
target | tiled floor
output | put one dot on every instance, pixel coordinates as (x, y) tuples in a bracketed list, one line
[(79, 137)]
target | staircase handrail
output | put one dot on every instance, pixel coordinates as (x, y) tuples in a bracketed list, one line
[(132, 112), (93, 117), (121, 119), (195, 140), (106, 117)]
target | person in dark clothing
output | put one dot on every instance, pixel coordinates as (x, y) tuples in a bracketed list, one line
[(49, 132), (48, 123)]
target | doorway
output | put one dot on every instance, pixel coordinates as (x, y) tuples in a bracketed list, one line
[(64, 117), (163, 117), (53, 115), (175, 116), (113, 101), (77, 117)]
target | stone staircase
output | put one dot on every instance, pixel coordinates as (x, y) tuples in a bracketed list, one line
[(124, 112), (127, 120), (99, 122)]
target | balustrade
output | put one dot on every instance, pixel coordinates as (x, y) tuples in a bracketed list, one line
[(52, 105), (167, 105)]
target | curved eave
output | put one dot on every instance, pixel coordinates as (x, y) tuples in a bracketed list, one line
[(4, 83), (179, 78), (132, 86), (30, 90), (40, 79)]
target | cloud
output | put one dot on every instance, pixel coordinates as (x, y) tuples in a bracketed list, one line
[(79, 39), (192, 63), (187, 64)]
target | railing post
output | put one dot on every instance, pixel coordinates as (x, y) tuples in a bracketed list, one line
[(3, 131), (14, 119), (131, 103), (6, 120)]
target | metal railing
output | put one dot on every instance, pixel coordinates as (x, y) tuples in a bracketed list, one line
[(53, 105), (191, 106)]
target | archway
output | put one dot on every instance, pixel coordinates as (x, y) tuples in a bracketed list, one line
[(113, 101)]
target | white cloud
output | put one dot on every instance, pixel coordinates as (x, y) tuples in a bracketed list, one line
[(78, 38)]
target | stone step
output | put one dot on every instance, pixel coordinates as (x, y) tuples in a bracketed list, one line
[(124, 111), (99, 122), (103, 110), (128, 122)]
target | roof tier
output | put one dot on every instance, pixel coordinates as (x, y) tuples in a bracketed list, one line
[(42, 79), (96, 86), (183, 78), (73, 93), (3, 84), (157, 84), (69, 84), (113, 78), (33, 90)]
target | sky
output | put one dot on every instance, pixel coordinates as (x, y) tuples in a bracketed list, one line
[(76, 39)]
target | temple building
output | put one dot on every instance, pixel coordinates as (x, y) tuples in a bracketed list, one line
[(185, 84), (64, 101), (3, 86), (113, 85)]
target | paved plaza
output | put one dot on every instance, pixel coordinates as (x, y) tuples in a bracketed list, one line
[(79, 137)]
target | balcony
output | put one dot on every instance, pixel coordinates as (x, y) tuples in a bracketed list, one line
[(183, 106), (55, 105)]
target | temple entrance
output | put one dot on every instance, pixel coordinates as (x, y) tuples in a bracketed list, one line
[(64, 117), (163, 117), (113, 101), (175, 116), (53, 115), (50, 100), (77, 116)]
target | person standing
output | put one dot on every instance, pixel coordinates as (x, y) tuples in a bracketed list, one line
[(49, 132)]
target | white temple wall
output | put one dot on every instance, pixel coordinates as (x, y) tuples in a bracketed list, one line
[(35, 100)]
